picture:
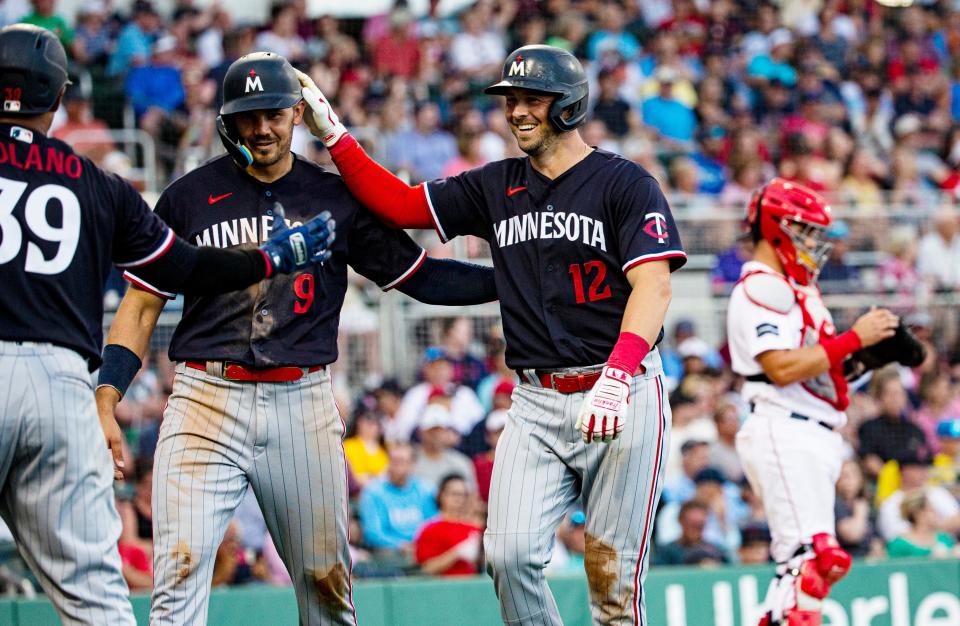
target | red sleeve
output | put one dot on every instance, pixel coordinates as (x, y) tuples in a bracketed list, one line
[(395, 202), (427, 544)]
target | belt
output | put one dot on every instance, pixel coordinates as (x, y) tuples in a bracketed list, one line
[(565, 382), (239, 372), (802, 418)]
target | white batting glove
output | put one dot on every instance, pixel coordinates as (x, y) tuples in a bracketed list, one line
[(320, 116), (604, 409)]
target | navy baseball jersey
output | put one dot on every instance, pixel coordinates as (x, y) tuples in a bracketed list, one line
[(561, 248), (63, 221), (287, 319)]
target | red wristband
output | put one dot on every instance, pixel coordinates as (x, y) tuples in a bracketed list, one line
[(629, 352), (266, 261), (840, 347)]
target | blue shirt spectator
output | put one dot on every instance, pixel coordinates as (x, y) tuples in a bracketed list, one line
[(610, 36), (670, 117), (392, 510), (135, 40), (158, 84), (424, 149)]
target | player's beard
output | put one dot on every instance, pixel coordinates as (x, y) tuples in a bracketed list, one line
[(544, 140), (278, 150)]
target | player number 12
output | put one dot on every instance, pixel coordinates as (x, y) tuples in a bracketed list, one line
[(597, 290)]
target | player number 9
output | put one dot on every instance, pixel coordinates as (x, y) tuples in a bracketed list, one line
[(303, 288), (67, 235)]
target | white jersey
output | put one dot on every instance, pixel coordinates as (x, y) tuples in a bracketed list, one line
[(767, 312)]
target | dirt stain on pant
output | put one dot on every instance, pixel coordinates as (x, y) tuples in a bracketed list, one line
[(183, 558), (332, 588), (601, 563)]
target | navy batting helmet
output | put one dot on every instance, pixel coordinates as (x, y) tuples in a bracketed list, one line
[(551, 70), (33, 69), (261, 80)]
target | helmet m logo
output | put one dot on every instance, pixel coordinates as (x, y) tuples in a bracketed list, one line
[(518, 67), (253, 84)]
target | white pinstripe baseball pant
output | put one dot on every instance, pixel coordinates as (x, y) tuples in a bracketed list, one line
[(56, 483), (285, 441), (542, 468)]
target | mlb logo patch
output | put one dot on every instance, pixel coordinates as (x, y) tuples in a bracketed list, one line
[(11, 106), (22, 134)]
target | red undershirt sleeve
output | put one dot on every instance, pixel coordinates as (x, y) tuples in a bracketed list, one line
[(396, 203)]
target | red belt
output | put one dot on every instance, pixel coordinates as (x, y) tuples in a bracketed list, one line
[(566, 383), (236, 371)]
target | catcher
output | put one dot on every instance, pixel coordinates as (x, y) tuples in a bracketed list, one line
[(782, 340)]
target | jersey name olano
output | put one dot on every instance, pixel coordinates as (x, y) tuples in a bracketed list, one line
[(561, 248), (285, 319), (63, 222)]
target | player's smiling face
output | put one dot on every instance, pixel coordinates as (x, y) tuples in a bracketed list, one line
[(268, 132), (528, 116)]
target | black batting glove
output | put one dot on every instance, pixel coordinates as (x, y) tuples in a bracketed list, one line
[(290, 249)]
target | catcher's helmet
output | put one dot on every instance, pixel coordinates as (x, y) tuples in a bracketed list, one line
[(793, 219), (260, 80), (33, 69), (551, 70)]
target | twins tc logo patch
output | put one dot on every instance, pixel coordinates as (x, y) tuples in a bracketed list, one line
[(656, 226), (767, 329)]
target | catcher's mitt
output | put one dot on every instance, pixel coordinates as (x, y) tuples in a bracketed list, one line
[(903, 347)]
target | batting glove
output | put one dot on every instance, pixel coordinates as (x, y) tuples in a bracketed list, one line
[(320, 117), (290, 249), (603, 410)]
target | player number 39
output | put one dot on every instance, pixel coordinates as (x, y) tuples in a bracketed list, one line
[(66, 235)]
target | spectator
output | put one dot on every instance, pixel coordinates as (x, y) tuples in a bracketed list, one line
[(712, 174), (692, 518), (469, 154), (610, 36), (923, 538), (775, 65), (914, 476), (673, 120), (156, 87), (694, 458), (364, 448), (425, 149), (569, 549), (388, 397), (398, 52), (450, 544), (136, 39), (837, 275), (483, 462), (891, 435), (76, 104), (856, 530), (92, 43), (394, 508), (860, 185), (465, 408), (502, 373), (436, 457), (939, 400), (897, 273), (45, 16), (282, 37), (754, 545), (946, 463), (612, 109), (727, 266), (136, 512), (723, 452), (230, 566), (456, 339), (478, 50), (938, 259)]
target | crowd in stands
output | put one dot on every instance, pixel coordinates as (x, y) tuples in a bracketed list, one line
[(855, 99)]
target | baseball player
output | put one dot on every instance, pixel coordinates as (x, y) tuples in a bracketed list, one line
[(583, 244), (252, 402), (782, 339), (62, 223)]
